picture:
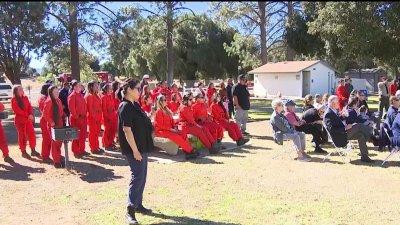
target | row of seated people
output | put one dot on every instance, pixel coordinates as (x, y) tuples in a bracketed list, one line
[(197, 121), (342, 126)]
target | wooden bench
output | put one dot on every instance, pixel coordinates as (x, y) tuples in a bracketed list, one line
[(170, 147)]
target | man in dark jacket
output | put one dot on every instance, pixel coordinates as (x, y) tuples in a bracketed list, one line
[(63, 96), (230, 98), (340, 133)]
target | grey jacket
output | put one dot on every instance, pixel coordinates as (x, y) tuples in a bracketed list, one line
[(280, 125)]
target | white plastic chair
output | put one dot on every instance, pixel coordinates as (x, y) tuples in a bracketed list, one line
[(395, 149), (287, 144), (344, 152)]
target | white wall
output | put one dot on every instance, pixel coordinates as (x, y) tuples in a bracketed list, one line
[(319, 79), (272, 83)]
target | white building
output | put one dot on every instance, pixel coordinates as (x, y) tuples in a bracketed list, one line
[(293, 78)]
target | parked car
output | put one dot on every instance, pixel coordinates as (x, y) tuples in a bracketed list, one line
[(5, 91)]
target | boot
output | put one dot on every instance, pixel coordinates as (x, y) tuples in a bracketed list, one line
[(25, 155), (130, 216), (219, 140), (141, 209), (215, 148), (8, 159), (240, 142), (35, 153)]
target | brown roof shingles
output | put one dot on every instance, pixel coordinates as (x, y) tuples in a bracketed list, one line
[(284, 67)]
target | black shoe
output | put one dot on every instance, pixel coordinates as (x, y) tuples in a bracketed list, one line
[(245, 140), (98, 152), (141, 209), (245, 133), (8, 159), (35, 153), (130, 216), (319, 150), (367, 160), (219, 140), (78, 156), (85, 153), (191, 155), (47, 161), (25, 155), (240, 142), (58, 165), (215, 148)]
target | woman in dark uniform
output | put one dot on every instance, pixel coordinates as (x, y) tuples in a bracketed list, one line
[(135, 138)]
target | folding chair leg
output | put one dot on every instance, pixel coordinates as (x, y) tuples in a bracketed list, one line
[(330, 153), (394, 151)]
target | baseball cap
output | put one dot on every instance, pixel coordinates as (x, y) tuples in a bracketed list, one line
[(146, 76), (242, 77), (290, 103)]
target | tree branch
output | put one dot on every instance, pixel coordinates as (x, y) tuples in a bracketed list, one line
[(179, 8), (105, 7), (98, 10), (59, 19), (97, 25)]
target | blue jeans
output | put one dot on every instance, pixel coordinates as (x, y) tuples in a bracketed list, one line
[(138, 179)]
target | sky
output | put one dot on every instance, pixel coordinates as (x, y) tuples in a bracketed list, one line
[(198, 7)]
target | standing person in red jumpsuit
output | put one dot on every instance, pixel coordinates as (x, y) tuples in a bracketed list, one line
[(46, 137), (23, 121), (201, 116), (190, 126), (210, 93), (165, 127), (53, 114), (94, 109), (78, 113), (109, 117), (174, 90), (342, 94), (173, 105), (221, 117), (3, 142)]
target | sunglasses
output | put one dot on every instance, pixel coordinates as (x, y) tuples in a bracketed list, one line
[(190, 99)]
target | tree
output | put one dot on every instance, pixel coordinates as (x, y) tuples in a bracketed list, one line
[(92, 19), (22, 31)]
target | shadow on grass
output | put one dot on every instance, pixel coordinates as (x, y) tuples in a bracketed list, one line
[(111, 160), (377, 163), (185, 220), (270, 138), (17, 172), (93, 173)]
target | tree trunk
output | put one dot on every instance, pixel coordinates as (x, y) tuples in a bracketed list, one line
[(170, 44), (290, 53), (263, 32), (15, 78), (73, 34)]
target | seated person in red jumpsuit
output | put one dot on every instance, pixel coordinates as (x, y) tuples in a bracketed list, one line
[(147, 105), (221, 117), (165, 127), (173, 105), (190, 126)]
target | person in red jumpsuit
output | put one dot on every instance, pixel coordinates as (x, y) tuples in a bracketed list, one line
[(94, 117), (210, 93), (146, 91), (53, 115), (201, 116), (342, 94), (165, 127), (221, 117), (147, 105), (164, 91), (46, 137), (23, 121), (109, 117), (190, 126), (174, 90), (173, 105), (3, 142), (78, 113)]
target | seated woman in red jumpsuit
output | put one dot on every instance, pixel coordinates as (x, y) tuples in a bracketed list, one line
[(46, 137), (200, 114), (53, 114), (23, 121), (146, 91), (173, 105), (190, 126), (174, 90), (109, 117), (94, 109), (210, 93), (165, 127), (221, 117), (147, 105), (3, 142)]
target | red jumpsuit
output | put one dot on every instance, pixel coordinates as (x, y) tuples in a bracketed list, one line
[(166, 92), (49, 118), (23, 125), (94, 108), (146, 108), (220, 117), (173, 106), (343, 96), (163, 122), (189, 126), (110, 119), (210, 94), (3, 142), (178, 96), (46, 138), (78, 111), (201, 116)]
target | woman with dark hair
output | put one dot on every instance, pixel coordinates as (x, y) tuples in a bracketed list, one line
[(46, 138), (308, 103), (115, 87), (135, 137), (53, 114), (175, 90), (23, 121), (165, 127), (190, 126), (146, 91), (210, 93), (221, 117), (223, 92), (173, 105), (78, 112), (109, 117), (93, 102)]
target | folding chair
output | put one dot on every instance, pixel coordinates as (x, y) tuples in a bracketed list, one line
[(395, 149), (283, 141), (344, 152)]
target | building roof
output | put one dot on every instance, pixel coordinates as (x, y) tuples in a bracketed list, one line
[(365, 71), (287, 67)]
